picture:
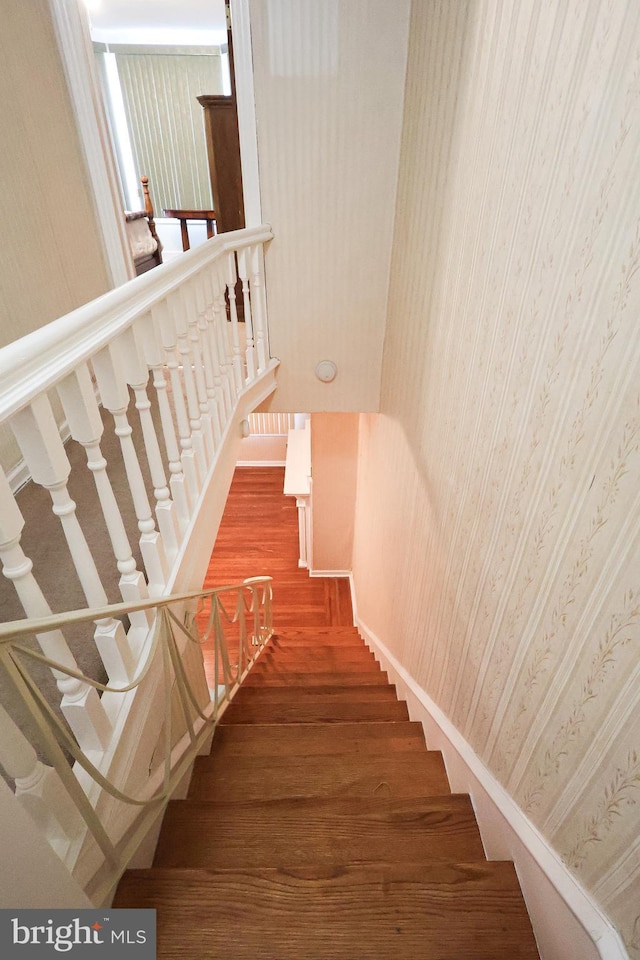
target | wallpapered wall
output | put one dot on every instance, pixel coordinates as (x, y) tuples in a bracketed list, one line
[(503, 475)]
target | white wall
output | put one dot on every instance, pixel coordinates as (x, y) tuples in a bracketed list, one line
[(498, 495), (50, 252), (51, 258), (329, 81)]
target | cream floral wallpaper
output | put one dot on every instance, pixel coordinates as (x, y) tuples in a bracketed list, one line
[(506, 462)]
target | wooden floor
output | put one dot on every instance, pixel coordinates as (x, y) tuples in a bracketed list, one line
[(320, 827), (259, 536)]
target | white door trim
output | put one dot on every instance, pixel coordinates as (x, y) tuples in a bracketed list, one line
[(246, 104), (74, 42), (72, 30)]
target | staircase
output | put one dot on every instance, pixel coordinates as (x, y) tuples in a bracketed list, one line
[(321, 828)]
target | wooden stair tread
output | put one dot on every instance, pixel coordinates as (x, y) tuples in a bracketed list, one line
[(435, 911), (315, 710), (309, 655), (327, 641), (298, 664), (295, 832), (258, 740), (278, 777), (257, 677), (327, 693), (318, 635)]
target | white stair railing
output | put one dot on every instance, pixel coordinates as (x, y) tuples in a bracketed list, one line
[(162, 372), (92, 821)]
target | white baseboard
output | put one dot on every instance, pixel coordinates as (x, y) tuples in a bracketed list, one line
[(18, 476), (260, 463), (330, 573), (567, 923)]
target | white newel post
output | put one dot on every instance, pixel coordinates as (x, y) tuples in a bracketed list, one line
[(154, 357), (163, 318), (38, 879), (177, 312), (37, 434), (204, 328), (80, 704), (108, 365), (232, 276), (85, 424), (38, 787), (250, 353), (137, 376), (259, 306)]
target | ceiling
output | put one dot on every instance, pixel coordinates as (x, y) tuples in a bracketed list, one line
[(199, 22)]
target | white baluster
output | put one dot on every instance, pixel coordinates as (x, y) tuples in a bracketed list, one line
[(232, 277), (164, 318), (80, 705), (259, 306), (107, 364), (137, 376), (250, 352), (197, 352), (37, 434), (154, 357), (85, 424), (221, 326), (212, 295), (204, 310), (178, 311), (38, 787)]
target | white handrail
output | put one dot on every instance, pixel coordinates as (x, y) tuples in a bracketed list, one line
[(27, 627), (41, 359), (198, 717)]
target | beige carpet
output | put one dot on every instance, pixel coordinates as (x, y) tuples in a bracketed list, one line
[(44, 543)]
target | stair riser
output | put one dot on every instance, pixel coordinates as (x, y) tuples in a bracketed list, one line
[(314, 665), (334, 656), (318, 712), (257, 677), (349, 739), (290, 642), (325, 634), (328, 694)]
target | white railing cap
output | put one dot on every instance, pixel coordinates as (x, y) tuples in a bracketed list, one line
[(39, 360), (13, 629)]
